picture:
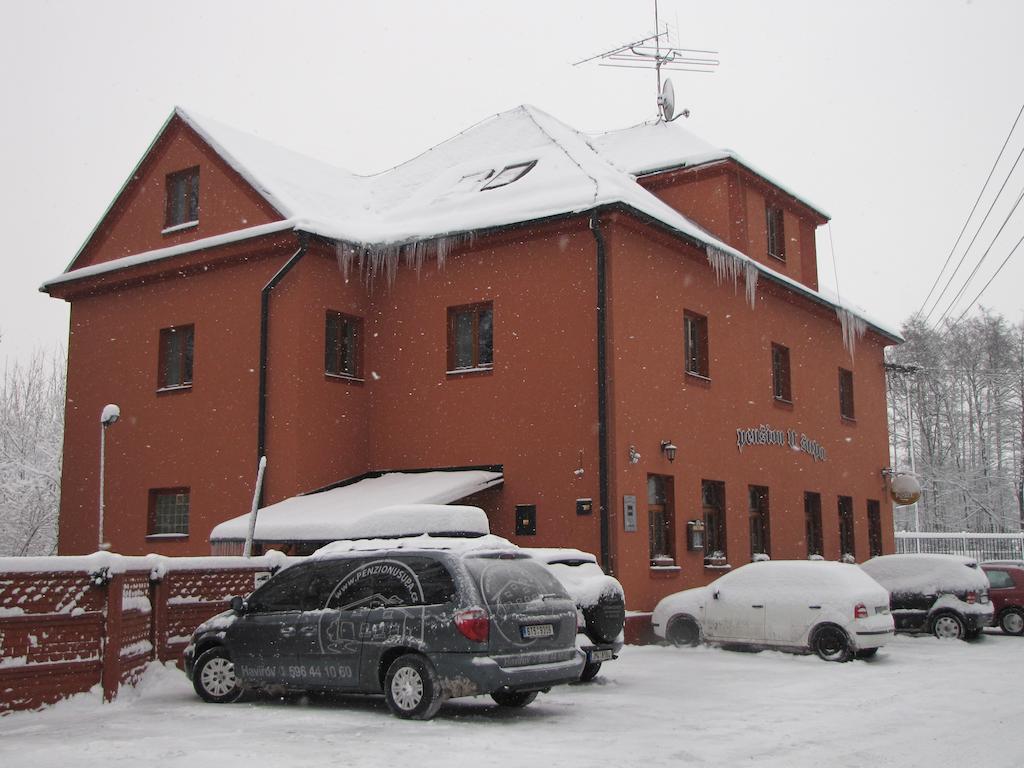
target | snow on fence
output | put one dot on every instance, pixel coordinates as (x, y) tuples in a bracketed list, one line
[(982, 546), (70, 623)]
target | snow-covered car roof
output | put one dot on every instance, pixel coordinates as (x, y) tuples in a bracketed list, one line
[(459, 545), (925, 573)]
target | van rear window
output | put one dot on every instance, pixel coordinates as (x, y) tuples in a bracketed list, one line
[(513, 580)]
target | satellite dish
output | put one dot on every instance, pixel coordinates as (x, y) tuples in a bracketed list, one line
[(667, 101), (905, 489)]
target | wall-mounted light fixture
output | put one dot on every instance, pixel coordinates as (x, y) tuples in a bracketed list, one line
[(634, 455), (669, 450)]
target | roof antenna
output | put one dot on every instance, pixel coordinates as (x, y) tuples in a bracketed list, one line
[(657, 51)]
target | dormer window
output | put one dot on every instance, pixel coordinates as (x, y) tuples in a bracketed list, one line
[(182, 199), (776, 233), (508, 174)]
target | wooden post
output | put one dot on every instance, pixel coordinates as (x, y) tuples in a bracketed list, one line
[(111, 674), (158, 595)]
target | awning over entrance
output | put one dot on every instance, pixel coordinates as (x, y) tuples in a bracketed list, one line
[(346, 512)]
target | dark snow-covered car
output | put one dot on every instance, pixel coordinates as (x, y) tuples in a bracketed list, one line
[(420, 620), (1006, 591), (831, 609), (946, 595), (600, 603)]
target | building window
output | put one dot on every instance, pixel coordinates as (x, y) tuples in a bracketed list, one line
[(168, 511), (874, 528), (812, 520), (176, 350), (776, 234), (780, 373), (846, 543), (696, 332), (846, 393), (182, 198), (343, 345), (471, 337), (759, 540), (712, 494), (661, 519)]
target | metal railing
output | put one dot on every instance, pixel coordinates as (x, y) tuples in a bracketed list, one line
[(982, 546)]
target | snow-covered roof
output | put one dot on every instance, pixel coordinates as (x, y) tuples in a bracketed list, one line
[(659, 146), (391, 505), (456, 188)]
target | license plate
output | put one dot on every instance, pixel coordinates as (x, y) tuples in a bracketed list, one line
[(537, 630), (603, 655)]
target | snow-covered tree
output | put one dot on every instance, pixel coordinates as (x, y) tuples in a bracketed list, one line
[(965, 385), (31, 439)]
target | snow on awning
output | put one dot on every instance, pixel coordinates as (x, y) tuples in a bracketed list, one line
[(348, 512)]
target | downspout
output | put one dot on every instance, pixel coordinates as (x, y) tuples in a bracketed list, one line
[(264, 333), (607, 561)]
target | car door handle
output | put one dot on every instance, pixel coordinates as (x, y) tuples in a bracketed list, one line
[(814, 607), (287, 631), (757, 606)]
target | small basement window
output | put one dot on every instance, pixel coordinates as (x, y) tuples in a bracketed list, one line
[(168, 512), (508, 174)]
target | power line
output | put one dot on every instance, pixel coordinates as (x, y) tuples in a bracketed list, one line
[(982, 259), (994, 274), (970, 245), (971, 214)]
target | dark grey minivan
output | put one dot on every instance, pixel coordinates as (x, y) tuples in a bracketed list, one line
[(418, 624)]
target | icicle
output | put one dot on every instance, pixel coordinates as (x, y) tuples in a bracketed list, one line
[(730, 265), (853, 328), (376, 258)]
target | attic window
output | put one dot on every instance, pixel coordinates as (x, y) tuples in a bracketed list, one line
[(508, 174), (182, 198)]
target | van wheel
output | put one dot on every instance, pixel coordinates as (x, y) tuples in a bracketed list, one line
[(683, 631), (1012, 621), (948, 626), (214, 677), (411, 688), (590, 671), (831, 644), (513, 698)]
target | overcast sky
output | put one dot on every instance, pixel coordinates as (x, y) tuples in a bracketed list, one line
[(886, 114)]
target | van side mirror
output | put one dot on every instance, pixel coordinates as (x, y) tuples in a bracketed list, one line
[(238, 605), (715, 594)]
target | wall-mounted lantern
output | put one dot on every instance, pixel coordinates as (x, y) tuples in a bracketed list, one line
[(669, 450), (634, 455), (695, 535)]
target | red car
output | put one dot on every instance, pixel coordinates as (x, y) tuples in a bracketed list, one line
[(1007, 593)]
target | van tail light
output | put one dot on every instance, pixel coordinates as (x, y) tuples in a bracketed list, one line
[(474, 624), (972, 598), (860, 611)]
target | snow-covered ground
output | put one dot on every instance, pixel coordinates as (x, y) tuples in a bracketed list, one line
[(922, 702)]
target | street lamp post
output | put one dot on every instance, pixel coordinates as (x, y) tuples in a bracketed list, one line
[(111, 413)]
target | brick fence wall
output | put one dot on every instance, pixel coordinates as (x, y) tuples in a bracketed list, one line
[(68, 624)]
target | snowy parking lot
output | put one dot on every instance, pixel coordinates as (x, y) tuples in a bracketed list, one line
[(921, 701)]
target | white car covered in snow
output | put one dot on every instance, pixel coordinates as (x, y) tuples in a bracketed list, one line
[(600, 603), (808, 606)]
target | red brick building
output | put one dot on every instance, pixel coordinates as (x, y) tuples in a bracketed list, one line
[(625, 330)]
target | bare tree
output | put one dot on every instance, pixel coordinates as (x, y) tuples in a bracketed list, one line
[(31, 439), (965, 387)]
